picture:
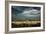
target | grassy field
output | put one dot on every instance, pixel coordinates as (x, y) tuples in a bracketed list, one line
[(25, 24)]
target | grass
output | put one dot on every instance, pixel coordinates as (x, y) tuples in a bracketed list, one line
[(17, 24)]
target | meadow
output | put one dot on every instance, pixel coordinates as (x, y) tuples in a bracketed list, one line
[(25, 23)]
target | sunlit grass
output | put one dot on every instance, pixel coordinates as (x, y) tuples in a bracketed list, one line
[(26, 23)]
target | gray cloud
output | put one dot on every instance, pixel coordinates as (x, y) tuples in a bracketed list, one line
[(29, 14)]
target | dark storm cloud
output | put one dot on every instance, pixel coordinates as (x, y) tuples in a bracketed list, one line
[(22, 12)]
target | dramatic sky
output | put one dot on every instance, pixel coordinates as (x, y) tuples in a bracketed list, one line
[(25, 12)]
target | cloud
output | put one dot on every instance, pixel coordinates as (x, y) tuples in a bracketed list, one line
[(29, 14)]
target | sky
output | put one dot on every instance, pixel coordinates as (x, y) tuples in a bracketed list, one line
[(25, 12)]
